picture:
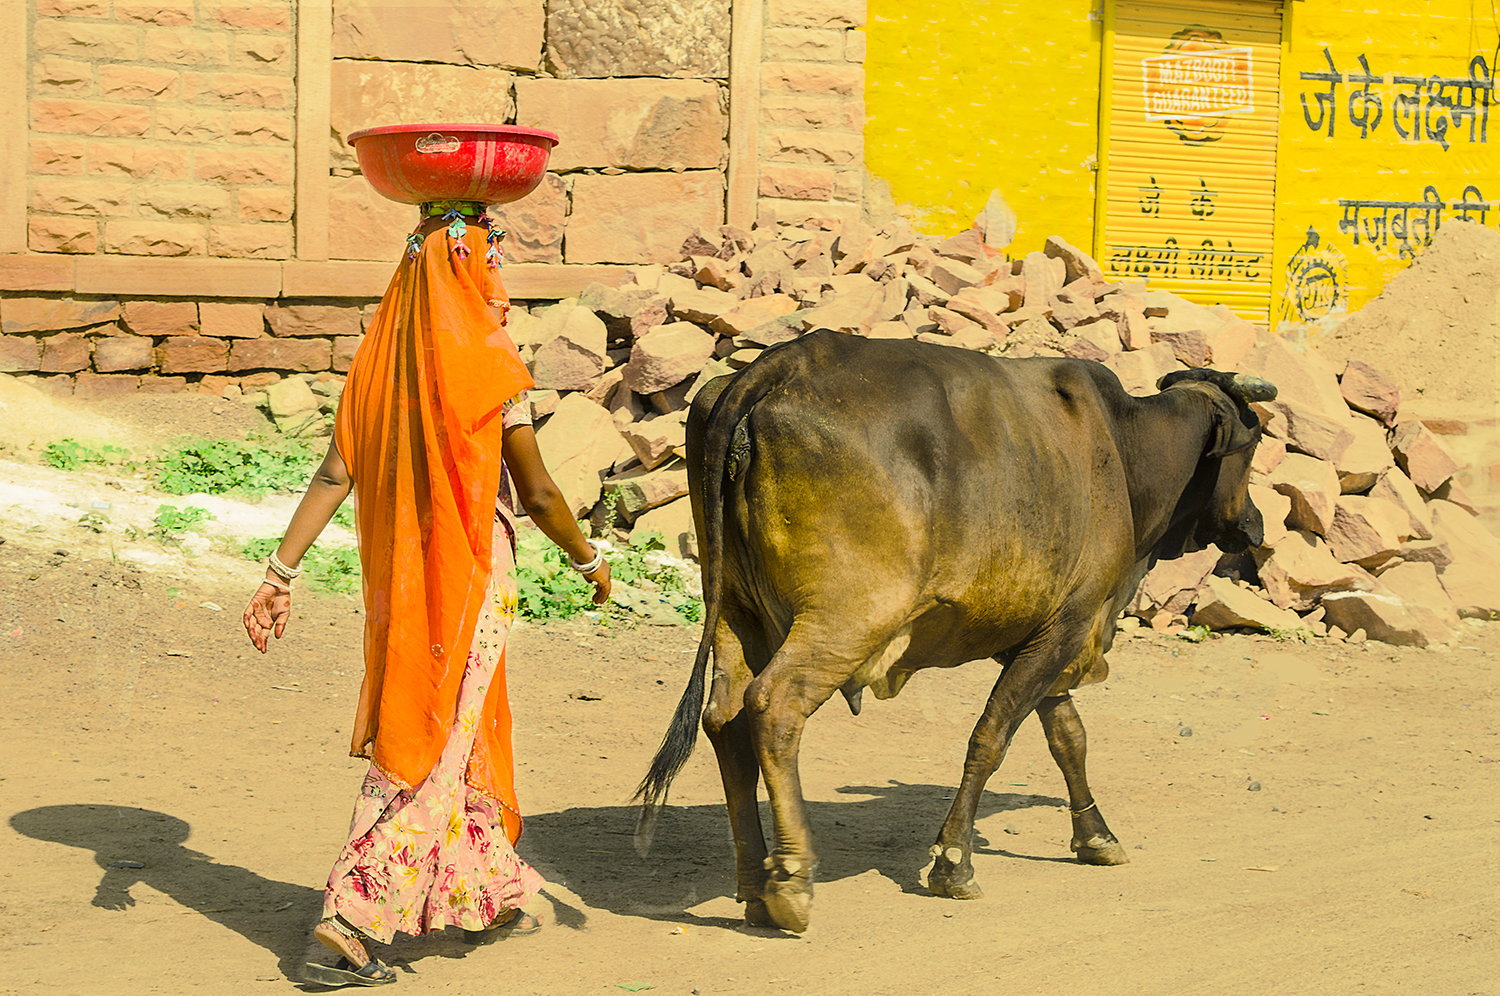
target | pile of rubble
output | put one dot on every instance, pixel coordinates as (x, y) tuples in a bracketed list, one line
[(1368, 532)]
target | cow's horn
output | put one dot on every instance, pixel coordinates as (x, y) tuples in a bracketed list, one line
[(1254, 388)]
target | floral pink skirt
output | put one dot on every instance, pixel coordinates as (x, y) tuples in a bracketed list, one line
[(436, 855)]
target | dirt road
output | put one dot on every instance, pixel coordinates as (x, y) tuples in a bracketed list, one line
[(171, 802)]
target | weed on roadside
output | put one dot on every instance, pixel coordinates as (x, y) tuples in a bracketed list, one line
[(217, 466), (171, 522), (70, 454)]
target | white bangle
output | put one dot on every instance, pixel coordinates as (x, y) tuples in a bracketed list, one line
[(281, 570), (278, 586), (592, 565)]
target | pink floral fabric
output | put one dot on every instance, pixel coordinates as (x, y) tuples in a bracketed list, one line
[(437, 854)]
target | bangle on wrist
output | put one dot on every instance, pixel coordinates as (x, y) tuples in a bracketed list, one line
[(287, 574), (592, 565), (278, 585)]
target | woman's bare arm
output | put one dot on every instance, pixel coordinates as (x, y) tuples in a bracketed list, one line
[(271, 605), (540, 496)]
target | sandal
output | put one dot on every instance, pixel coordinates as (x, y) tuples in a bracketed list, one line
[(343, 973), (373, 972), (519, 925)]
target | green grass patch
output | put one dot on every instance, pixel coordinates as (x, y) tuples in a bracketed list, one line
[(70, 454), (171, 522), (329, 568), (548, 588), (218, 466)]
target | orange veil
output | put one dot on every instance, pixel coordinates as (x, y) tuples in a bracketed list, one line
[(419, 427)]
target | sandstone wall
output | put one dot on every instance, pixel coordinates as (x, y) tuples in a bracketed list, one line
[(183, 175)]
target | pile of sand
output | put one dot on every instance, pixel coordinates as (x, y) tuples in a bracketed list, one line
[(1435, 327)]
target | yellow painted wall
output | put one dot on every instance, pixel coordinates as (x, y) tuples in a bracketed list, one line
[(962, 99), (1316, 170)]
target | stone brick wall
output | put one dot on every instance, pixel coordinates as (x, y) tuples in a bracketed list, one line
[(812, 110), (161, 127)]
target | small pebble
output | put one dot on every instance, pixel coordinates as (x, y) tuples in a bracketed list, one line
[(1186, 731), (1012, 830), (127, 864), (1253, 787)]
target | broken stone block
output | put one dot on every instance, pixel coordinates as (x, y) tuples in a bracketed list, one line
[(1140, 370), (1077, 264), (1417, 585), (966, 247), (753, 313), (576, 324), (951, 322), (1171, 585), (1222, 604), (1380, 614), (655, 440), (1422, 456), (1301, 378), (1449, 491), (1367, 458), (579, 444), (1313, 487), (543, 402), (289, 397), (1102, 333), (1044, 276), (1067, 315), (889, 330), (1269, 453), (1366, 529), (605, 385), (640, 490), (1301, 569), (674, 521), (667, 356), (968, 306), (1230, 342), (1394, 486), (1309, 431), (951, 276), (1367, 390), (1274, 508), (1190, 346), (562, 365), (702, 306), (1128, 312), (1473, 579)]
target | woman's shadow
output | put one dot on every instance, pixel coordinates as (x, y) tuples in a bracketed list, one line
[(142, 846)]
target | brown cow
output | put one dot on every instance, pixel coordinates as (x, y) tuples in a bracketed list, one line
[(868, 508)]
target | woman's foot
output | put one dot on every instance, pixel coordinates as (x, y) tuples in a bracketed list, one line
[(506, 925), (355, 967)]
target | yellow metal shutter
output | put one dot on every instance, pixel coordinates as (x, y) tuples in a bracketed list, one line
[(1190, 140)]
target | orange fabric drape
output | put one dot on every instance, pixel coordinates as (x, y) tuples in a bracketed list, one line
[(419, 427)]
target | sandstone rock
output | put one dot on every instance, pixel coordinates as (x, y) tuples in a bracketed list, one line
[(1128, 312), (1366, 529), (1379, 613), (1189, 346), (154, 318), (578, 444), (1102, 333), (1171, 585), (640, 217), (641, 490), (655, 440), (114, 353), (620, 38), (951, 276), (543, 402), (1366, 460), (1300, 378), (1044, 276), (534, 224), (1231, 342), (753, 313), (637, 124), (1451, 491), (494, 33), (1396, 487), (666, 356), (1313, 487), (312, 320), (21, 315), (702, 306), (1367, 390), (191, 354), (966, 247), (64, 352), (1077, 264), (1309, 431), (711, 271), (1301, 570), (1473, 579), (1067, 315), (1425, 600), (232, 320), (563, 365), (1140, 370), (289, 397), (889, 330), (1222, 604), (951, 322), (1422, 456), (575, 324), (1269, 453), (1274, 508), (674, 521)]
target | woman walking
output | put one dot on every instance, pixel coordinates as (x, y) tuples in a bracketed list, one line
[(432, 425)]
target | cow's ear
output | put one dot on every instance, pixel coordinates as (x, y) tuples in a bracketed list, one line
[(1235, 426)]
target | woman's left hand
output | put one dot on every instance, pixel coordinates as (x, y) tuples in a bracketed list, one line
[(599, 578), (268, 612)]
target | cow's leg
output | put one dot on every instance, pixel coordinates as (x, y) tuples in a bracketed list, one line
[(728, 729), (1092, 841), (802, 675), (1016, 693)]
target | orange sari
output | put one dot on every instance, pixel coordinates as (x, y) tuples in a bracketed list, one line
[(419, 427)]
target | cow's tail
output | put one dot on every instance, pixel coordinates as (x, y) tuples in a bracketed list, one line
[(726, 452)]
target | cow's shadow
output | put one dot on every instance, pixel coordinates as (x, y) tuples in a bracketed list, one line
[(882, 828)]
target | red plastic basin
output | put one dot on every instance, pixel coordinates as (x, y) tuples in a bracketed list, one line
[(415, 163)]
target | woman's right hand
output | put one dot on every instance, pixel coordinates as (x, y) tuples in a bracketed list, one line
[(269, 609)]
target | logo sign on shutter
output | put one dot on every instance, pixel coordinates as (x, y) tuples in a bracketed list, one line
[(1198, 84)]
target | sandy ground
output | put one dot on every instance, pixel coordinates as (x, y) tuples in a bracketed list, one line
[(170, 802)]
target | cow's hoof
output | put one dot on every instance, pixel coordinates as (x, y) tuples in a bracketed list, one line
[(1100, 851), (787, 896), (950, 878), (756, 914)]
